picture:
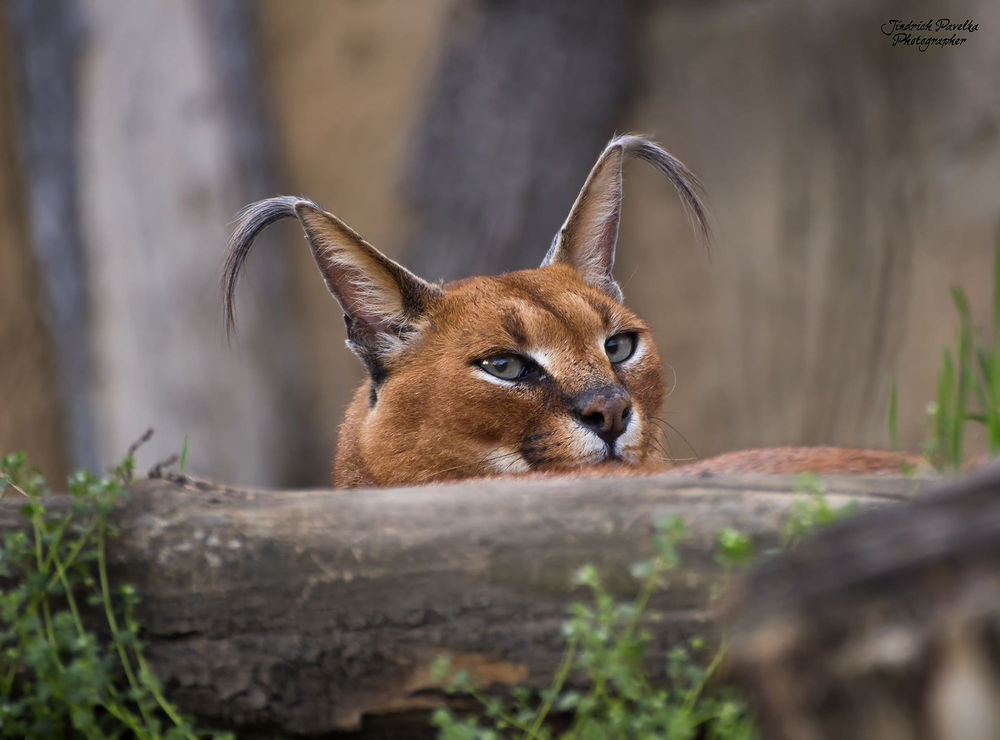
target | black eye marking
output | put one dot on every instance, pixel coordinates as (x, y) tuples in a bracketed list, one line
[(509, 366), (621, 346)]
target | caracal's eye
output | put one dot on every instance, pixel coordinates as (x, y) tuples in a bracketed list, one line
[(620, 346), (508, 367)]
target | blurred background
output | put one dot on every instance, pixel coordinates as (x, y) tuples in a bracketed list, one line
[(851, 182)]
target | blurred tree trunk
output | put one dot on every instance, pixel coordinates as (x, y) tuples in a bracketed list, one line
[(524, 97), (148, 184), (45, 40), (32, 415), (164, 175)]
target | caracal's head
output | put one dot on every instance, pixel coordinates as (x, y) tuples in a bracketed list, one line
[(534, 370)]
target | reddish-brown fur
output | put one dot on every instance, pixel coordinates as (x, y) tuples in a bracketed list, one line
[(820, 460), (436, 418)]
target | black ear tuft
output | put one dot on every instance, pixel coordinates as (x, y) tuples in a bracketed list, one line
[(249, 223), (588, 238), (382, 300)]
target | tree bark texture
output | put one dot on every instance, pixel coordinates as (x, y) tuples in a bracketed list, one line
[(887, 626), (304, 611)]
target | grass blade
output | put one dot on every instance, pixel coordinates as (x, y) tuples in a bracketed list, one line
[(996, 294), (892, 414), (963, 375)]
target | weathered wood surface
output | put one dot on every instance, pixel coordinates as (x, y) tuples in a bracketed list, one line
[(886, 626), (303, 611)]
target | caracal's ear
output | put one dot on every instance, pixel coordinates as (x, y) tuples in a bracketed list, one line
[(588, 237), (382, 300)]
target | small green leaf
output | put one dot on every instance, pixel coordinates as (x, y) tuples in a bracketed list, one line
[(587, 576), (440, 667), (641, 570), (734, 548)]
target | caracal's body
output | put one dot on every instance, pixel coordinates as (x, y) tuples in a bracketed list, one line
[(536, 370)]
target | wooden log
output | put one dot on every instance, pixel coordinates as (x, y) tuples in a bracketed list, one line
[(301, 612), (886, 626)]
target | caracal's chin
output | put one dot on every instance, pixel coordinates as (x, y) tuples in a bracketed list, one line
[(571, 445)]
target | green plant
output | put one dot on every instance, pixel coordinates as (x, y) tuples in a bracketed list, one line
[(57, 677), (969, 372), (601, 688), (733, 548), (806, 516), (182, 463)]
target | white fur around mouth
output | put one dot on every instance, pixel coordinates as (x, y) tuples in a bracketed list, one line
[(607, 455), (629, 443), (590, 449), (584, 447)]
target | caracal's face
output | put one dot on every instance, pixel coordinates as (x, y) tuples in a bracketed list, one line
[(532, 370)]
